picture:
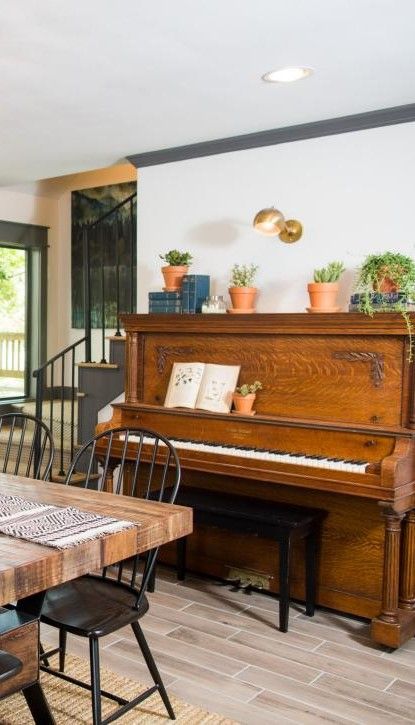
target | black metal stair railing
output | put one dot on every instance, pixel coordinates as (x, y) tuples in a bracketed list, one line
[(55, 385), (109, 242), (108, 257)]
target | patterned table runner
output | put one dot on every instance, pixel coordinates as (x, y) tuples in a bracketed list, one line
[(53, 525)]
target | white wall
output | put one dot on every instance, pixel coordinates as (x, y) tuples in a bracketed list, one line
[(353, 193)]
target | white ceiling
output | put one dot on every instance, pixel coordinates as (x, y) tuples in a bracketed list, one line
[(85, 83)]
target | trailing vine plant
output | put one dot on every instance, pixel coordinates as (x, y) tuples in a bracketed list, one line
[(386, 282)]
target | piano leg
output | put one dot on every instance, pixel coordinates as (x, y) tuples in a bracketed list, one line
[(394, 626), (311, 574), (285, 561), (407, 589)]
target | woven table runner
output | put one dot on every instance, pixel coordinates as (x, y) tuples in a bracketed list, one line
[(53, 525)]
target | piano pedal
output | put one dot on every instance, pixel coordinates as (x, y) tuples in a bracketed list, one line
[(247, 580), (245, 585), (234, 581)]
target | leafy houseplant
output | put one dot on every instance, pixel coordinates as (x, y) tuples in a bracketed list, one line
[(241, 288), (386, 283), (247, 389), (323, 291), (174, 258), (244, 397), (177, 266)]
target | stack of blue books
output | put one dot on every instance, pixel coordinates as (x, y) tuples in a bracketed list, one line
[(165, 302), (195, 289)]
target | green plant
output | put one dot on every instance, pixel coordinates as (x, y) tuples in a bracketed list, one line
[(397, 268), (174, 258), (243, 275), (247, 388), (331, 273), (398, 271)]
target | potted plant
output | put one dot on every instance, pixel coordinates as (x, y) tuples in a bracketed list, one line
[(241, 291), (386, 283), (323, 291), (244, 397), (385, 278), (177, 266)]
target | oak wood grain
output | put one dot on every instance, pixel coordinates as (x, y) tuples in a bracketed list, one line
[(27, 568)]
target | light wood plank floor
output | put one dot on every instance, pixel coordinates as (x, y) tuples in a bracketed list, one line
[(221, 650)]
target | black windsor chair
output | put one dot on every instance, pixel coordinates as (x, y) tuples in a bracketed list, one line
[(94, 606), (26, 446)]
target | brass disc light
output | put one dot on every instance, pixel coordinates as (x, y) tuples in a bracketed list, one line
[(271, 222)]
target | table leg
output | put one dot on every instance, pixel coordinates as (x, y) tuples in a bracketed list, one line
[(34, 694), (38, 705)]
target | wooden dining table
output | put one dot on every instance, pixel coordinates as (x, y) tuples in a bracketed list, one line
[(27, 569)]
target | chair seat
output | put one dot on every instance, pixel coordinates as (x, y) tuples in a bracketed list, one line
[(92, 606), (9, 665)]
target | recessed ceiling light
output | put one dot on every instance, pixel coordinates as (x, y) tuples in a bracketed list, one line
[(287, 75)]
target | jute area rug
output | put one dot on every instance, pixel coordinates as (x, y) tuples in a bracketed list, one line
[(71, 704)]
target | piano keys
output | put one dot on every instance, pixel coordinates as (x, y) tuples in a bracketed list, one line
[(258, 454), (334, 429)]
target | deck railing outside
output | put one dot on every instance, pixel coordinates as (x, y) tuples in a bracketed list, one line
[(12, 354)]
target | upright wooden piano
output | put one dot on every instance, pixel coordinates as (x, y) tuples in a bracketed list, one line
[(334, 429)]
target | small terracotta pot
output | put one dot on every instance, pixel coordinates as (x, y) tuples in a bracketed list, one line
[(173, 277), (243, 403), (242, 298), (323, 296)]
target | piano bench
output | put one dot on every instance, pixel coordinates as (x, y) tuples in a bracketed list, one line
[(284, 523)]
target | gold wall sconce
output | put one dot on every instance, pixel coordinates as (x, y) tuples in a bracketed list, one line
[(272, 223)]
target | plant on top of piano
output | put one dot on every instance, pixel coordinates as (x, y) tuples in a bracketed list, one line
[(241, 291), (243, 275), (331, 273), (323, 291), (177, 267), (386, 283), (248, 389)]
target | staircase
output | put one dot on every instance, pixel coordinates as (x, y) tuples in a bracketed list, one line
[(70, 387)]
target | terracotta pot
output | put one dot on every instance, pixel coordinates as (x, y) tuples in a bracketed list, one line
[(323, 296), (243, 298), (244, 403), (173, 277), (386, 285)]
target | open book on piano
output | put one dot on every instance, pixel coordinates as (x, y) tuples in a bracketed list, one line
[(201, 385)]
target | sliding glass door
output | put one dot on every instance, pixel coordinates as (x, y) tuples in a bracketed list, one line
[(23, 304), (13, 322)]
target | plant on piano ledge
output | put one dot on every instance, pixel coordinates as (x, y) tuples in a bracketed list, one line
[(241, 290), (244, 397), (323, 291), (386, 283), (177, 267)]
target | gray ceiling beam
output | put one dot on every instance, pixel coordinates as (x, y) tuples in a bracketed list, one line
[(286, 134)]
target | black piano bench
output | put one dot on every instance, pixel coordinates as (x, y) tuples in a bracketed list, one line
[(284, 523)]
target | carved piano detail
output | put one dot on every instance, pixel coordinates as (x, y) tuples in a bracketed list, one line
[(334, 429)]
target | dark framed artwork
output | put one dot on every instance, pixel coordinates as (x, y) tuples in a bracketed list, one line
[(114, 236)]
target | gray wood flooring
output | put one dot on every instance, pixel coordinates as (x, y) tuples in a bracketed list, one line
[(221, 650)]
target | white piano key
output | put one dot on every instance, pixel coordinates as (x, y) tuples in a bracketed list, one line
[(252, 453)]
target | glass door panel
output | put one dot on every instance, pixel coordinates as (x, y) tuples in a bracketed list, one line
[(13, 316)]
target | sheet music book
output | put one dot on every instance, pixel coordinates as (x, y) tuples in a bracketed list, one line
[(202, 385)]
